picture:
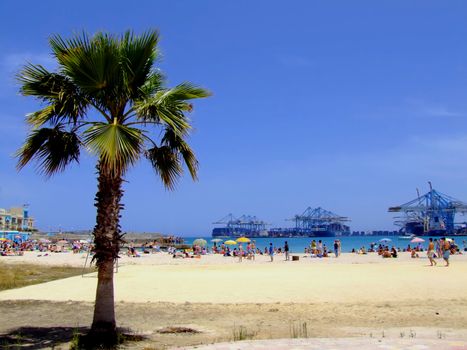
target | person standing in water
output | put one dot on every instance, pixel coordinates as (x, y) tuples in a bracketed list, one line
[(431, 252), (286, 250)]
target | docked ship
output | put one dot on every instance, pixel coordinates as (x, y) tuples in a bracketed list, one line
[(316, 222), (245, 225), (319, 222), (432, 214)]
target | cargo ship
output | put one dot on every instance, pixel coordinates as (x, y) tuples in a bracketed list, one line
[(431, 214), (316, 222)]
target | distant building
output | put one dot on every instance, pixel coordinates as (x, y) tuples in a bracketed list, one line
[(16, 219)]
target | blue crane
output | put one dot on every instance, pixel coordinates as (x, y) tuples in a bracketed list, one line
[(430, 214)]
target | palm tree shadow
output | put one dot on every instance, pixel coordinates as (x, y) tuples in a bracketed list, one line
[(32, 338)]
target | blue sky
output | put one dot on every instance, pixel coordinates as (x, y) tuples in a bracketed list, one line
[(348, 105)]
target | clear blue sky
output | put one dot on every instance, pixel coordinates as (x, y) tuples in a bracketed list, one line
[(348, 105)]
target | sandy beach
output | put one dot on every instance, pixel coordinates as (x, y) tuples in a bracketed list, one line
[(353, 295), (218, 279)]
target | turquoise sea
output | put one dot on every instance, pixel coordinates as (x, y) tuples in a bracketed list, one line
[(297, 245)]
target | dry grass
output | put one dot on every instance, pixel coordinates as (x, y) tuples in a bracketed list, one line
[(20, 275)]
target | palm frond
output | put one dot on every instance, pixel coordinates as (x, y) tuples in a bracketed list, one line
[(53, 148), (63, 96), (93, 64), (178, 145), (117, 146), (138, 54), (168, 106), (166, 164), (154, 82)]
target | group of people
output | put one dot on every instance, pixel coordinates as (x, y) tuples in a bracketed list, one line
[(18, 247), (320, 250), (437, 248), (444, 247), (316, 249)]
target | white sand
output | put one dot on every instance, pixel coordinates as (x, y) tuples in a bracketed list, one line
[(216, 279)]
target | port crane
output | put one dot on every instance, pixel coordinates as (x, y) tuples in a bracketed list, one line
[(244, 224), (319, 219), (430, 214)]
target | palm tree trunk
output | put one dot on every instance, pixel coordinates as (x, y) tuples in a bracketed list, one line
[(107, 240)]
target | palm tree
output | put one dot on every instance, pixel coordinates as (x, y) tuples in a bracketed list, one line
[(107, 97)]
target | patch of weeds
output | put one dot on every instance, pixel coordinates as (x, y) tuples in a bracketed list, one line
[(87, 342), (76, 342), (299, 330), (243, 333)]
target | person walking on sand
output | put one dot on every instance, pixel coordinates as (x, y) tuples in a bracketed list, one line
[(446, 250), (439, 250), (431, 252), (286, 250), (271, 252)]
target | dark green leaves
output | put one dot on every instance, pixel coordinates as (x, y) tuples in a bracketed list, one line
[(166, 163), (138, 54), (167, 159), (180, 147), (65, 101), (167, 106), (53, 148), (115, 77)]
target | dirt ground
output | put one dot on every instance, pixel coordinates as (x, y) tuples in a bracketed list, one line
[(44, 324)]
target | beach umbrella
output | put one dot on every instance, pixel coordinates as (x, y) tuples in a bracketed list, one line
[(230, 242), (3, 239), (449, 239), (385, 240), (62, 242), (201, 242), (44, 240), (216, 240), (243, 240), (417, 240)]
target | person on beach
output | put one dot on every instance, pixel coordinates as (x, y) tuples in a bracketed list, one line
[(431, 252), (271, 252), (336, 248), (313, 247), (446, 250), (439, 250), (286, 250), (320, 247)]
